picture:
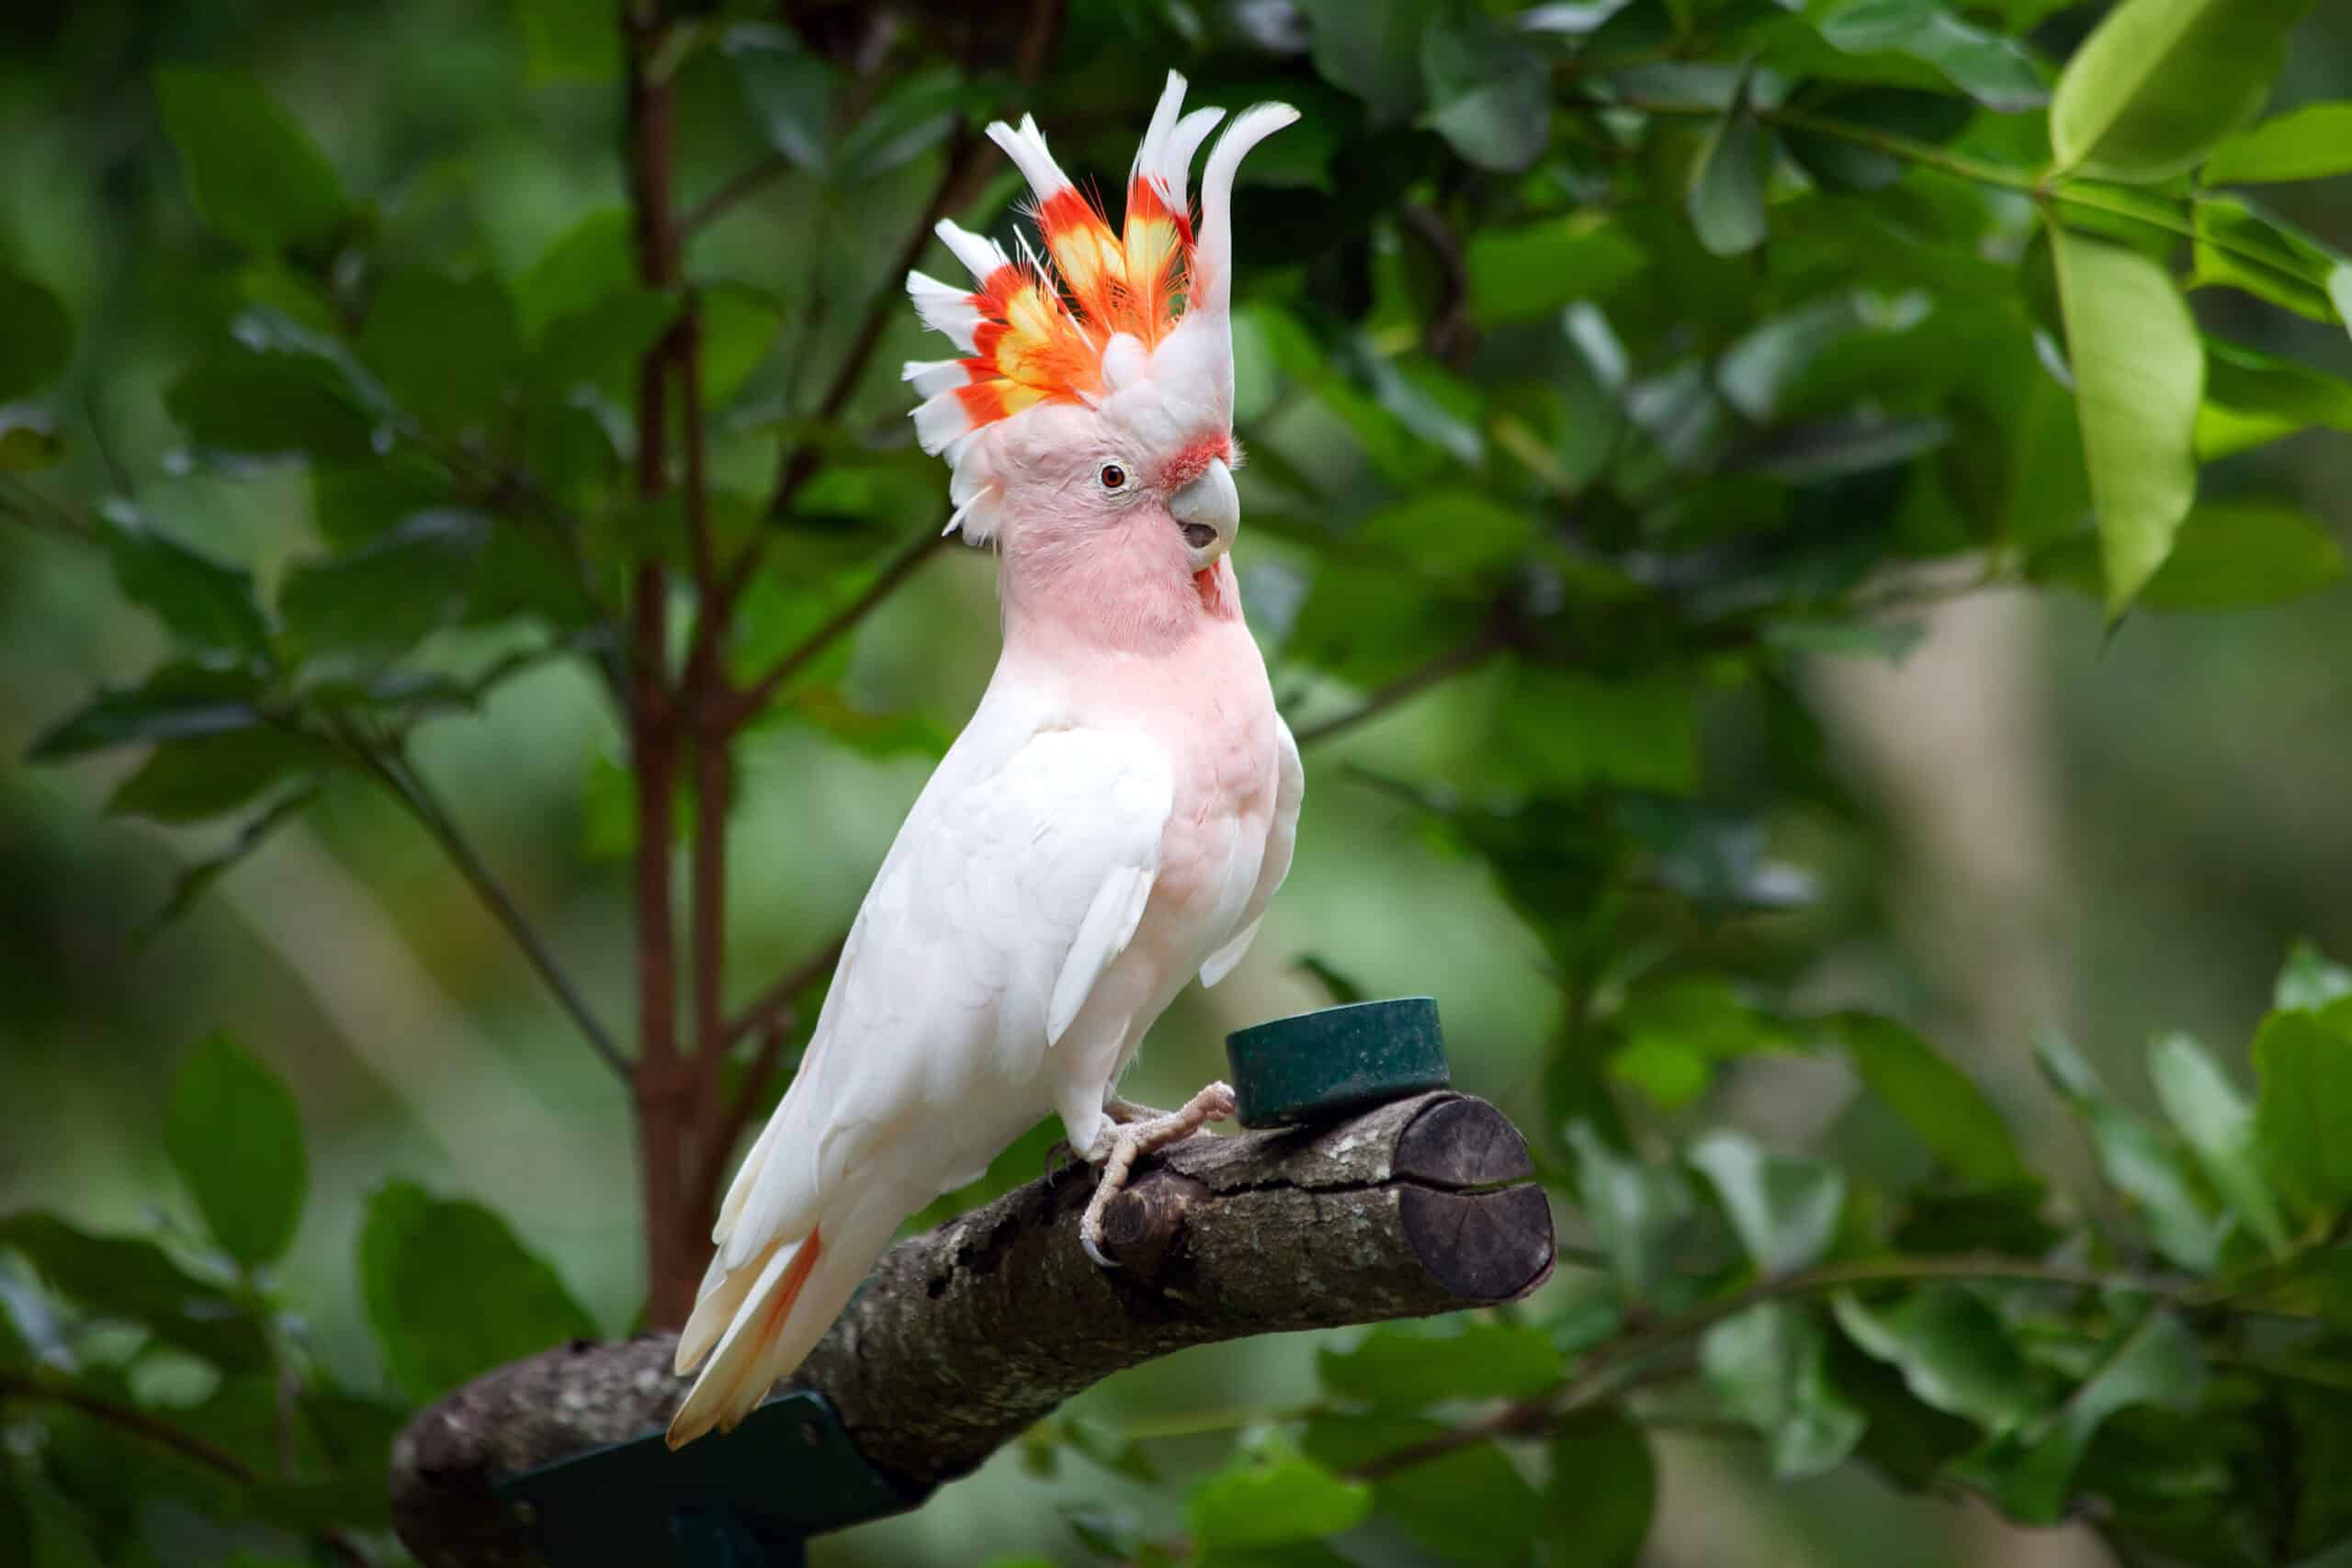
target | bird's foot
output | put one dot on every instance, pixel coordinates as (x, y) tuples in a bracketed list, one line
[(1128, 1137)]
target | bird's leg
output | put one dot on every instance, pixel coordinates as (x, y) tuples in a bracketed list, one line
[(1128, 1136), (1120, 1113)]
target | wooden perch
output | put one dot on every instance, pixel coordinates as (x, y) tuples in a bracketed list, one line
[(966, 1336)]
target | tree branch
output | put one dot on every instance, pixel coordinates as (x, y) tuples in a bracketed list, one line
[(1444, 667), (408, 787), (663, 1092), (740, 187), (1601, 1374), (897, 570), (962, 1339)]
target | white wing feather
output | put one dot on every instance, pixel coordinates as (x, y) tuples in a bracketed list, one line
[(1010, 889)]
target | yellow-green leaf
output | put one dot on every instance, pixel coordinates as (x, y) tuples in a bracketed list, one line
[(2308, 143), (2138, 376), (2159, 82)]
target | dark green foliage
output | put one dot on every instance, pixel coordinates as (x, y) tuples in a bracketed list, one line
[(1616, 368)]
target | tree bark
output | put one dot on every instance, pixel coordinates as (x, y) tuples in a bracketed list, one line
[(964, 1336)]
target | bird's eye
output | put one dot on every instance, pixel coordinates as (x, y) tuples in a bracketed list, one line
[(1112, 477)]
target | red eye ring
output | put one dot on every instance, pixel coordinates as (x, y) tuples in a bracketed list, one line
[(1113, 476)]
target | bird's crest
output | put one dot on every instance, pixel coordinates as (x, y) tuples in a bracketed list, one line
[(1088, 326)]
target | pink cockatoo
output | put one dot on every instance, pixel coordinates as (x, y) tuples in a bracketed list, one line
[(1121, 805)]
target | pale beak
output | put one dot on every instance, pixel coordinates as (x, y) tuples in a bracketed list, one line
[(1208, 511)]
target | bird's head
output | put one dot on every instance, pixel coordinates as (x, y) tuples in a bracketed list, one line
[(1089, 421)]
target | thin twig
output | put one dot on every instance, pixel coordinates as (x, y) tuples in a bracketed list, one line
[(740, 187), (1453, 662), (409, 787), (899, 567), (188, 1446), (765, 1008), (1603, 1373)]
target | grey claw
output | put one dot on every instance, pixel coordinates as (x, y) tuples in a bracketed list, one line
[(1094, 1252)]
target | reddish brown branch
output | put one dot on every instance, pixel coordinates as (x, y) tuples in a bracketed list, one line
[(661, 1090)]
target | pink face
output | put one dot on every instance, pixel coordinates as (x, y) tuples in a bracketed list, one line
[(1110, 538)]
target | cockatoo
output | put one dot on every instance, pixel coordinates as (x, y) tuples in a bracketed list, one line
[(1121, 805)]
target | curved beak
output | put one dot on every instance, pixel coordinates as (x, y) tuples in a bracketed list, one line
[(1208, 511)]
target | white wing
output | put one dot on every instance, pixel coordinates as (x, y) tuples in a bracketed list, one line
[(1282, 837), (1003, 900)]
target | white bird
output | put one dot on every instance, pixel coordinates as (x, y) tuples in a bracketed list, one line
[(1117, 814)]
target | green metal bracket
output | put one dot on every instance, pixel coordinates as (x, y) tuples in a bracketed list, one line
[(1318, 1066), (749, 1500)]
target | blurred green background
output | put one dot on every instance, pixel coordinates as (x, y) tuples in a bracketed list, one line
[(2113, 832)]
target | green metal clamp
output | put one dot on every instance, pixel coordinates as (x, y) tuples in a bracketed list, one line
[(1320, 1066), (749, 1500)]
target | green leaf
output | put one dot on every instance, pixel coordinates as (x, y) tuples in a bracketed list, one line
[(1469, 1507), (1726, 199), (1456, 535), (2310, 981), (173, 702), (1574, 731), (2312, 143), (2230, 554), (1269, 1496), (255, 177), (447, 348), (2138, 376), (1399, 1367), (235, 1138), (2029, 1472), (133, 1281), (1373, 50), (2304, 1062), (1995, 71), (571, 41), (600, 347), (374, 602), (206, 776), (1935, 1098), (1769, 1367), (1602, 1492), (206, 604), (1784, 1210), (2241, 246), (906, 122), (2136, 1160), (1952, 1350), (1635, 1210), (585, 265), (1674, 1033), (450, 1293), (29, 440), (1843, 162), (788, 90), (2159, 82), (2252, 398), (2218, 1124), (739, 326), (1518, 274), (1491, 94), (38, 343), (269, 404)]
